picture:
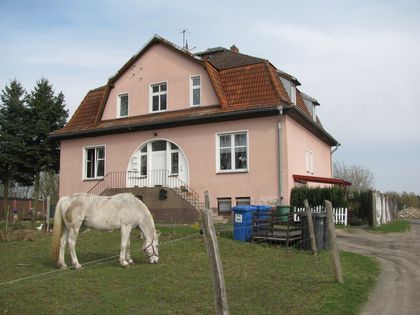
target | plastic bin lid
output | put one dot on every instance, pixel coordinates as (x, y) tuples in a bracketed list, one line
[(262, 207), (245, 208)]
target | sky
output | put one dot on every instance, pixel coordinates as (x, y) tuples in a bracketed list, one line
[(359, 59)]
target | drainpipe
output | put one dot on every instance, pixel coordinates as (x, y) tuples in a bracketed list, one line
[(280, 162), (331, 161)]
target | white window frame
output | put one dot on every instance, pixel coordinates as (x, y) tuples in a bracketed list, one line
[(194, 87), (169, 151), (151, 94), (119, 104), (293, 93), (233, 162), (85, 156), (309, 161)]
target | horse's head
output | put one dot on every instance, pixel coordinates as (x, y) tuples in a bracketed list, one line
[(152, 250)]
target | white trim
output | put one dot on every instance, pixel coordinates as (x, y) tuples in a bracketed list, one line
[(84, 157), (192, 90), (151, 97), (119, 104), (311, 162), (233, 170), (149, 160), (293, 93)]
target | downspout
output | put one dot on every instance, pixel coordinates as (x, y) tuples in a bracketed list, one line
[(280, 160), (331, 161)]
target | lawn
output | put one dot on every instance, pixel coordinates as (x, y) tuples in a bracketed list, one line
[(259, 279), (398, 226)]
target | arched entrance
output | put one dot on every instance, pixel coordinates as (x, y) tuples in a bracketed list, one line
[(158, 162)]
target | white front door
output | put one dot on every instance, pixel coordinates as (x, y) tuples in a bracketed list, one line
[(159, 170), (158, 162)]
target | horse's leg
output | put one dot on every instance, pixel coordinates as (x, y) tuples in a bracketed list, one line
[(73, 232), (125, 234), (128, 247), (61, 263)]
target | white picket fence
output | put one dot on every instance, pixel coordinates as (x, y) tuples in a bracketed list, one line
[(340, 214)]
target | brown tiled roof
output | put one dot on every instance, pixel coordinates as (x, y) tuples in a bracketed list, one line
[(222, 58), (249, 85), (300, 103), (244, 85), (84, 117)]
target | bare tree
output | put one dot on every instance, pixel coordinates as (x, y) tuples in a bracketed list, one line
[(361, 177)]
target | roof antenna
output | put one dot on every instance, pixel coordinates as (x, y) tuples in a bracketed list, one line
[(184, 32), (184, 38)]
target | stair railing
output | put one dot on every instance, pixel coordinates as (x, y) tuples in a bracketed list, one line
[(154, 178)]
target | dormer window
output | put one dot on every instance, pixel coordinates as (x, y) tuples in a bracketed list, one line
[(122, 105), (195, 90), (158, 97)]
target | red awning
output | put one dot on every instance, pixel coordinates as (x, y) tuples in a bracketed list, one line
[(324, 180)]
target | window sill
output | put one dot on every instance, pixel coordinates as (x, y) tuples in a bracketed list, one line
[(232, 171), (94, 179)]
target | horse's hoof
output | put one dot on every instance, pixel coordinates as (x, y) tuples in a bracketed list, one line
[(62, 266), (77, 266), (124, 264)]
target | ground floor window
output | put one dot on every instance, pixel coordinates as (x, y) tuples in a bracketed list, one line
[(94, 161), (232, 152), (224, 204)]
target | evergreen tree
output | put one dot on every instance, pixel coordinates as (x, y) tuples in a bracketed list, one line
[(15, 164), (48, 114)]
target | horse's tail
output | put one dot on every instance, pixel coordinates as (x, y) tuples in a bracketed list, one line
[(57, 232)]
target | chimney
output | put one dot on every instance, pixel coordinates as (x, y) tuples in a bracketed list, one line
[(234, 49)]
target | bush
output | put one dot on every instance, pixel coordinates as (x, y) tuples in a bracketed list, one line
[(317, 195)]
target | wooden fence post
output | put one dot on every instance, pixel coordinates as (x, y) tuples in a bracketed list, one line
[(48, 214), (212, 246), (335, 255), (311, 227)]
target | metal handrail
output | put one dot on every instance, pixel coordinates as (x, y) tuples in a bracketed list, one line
[(153, 178)]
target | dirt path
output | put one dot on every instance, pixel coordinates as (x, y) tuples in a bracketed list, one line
[(398, 288)]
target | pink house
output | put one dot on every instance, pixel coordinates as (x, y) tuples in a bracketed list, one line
[(218, 120)]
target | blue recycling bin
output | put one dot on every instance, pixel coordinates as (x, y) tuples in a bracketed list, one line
[(242, 222)]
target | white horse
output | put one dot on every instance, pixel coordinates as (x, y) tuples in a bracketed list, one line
[(122, 211)]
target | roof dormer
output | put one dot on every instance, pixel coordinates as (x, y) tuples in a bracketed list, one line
[(290, 83)]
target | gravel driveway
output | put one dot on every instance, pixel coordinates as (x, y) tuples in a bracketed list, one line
[(398, 288)]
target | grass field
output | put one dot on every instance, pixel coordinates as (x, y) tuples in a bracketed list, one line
[(397, 226), (259, 279)]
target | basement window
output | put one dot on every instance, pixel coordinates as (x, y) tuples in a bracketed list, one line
[(224, 204)]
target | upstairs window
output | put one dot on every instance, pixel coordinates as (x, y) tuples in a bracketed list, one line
[(158, 97), (232, 152), (122, 105), (94, 160), (195, 87)]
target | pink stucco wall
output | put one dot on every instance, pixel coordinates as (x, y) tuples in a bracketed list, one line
[(298, 140), (199, 145), (159, 64)]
